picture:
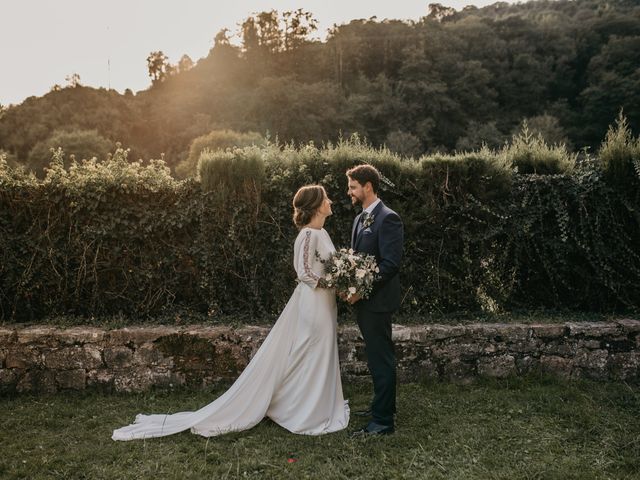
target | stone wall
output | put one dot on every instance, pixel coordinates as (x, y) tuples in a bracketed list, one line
[(48, 359)]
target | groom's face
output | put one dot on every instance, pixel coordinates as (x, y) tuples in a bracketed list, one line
[(356, 192)]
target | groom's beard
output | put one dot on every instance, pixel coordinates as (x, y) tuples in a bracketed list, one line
[(355, 201)]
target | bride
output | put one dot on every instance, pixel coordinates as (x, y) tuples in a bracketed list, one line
[(294, 377)]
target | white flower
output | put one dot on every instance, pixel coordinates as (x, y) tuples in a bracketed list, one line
[(351, 272), (367, 220)]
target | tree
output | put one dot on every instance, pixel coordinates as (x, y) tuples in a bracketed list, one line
[(249, 34), (185, 64), (455, 83), (270, 35), (261, 34), (73, 80), (222, 38), (404, 144), (299, 24), (293, 110), (439, 12), (479, 134), (157, 64), (613, 83), (374, 108)]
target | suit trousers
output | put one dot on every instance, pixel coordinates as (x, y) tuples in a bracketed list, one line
[(381, 360)]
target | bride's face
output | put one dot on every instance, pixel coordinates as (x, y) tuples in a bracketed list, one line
[(325, 208)]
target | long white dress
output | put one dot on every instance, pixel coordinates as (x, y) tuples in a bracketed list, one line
[(294, 377)]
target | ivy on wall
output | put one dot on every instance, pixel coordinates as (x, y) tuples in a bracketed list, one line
[(120, 236)]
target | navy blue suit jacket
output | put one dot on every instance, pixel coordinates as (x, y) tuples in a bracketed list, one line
[(384, 240)]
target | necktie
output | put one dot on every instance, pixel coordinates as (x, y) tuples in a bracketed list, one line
[(363, 217)]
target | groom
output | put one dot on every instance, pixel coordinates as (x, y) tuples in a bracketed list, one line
[(377, 231)]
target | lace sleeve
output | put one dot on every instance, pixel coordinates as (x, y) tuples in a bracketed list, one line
[(305, 258)]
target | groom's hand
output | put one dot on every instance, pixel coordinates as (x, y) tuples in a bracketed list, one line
[(354, 298)]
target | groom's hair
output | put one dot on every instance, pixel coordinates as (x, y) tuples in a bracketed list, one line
[(365, 173)]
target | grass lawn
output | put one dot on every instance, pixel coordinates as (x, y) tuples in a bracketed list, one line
[(531, 428)]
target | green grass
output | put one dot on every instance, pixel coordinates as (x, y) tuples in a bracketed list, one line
[(531, 428)]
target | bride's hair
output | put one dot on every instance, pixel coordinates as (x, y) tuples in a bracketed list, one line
[(306, 203)]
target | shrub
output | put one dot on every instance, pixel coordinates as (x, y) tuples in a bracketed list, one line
[(81, 144), (216, 140), (530, 153), (620, 157), (404, 143), (548, 127), (122, 237)]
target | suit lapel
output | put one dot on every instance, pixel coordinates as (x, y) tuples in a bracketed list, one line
[(374, 212)]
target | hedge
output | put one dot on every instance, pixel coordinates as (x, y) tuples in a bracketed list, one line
[(115, 236)]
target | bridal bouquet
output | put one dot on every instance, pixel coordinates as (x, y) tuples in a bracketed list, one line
[(351, 272)]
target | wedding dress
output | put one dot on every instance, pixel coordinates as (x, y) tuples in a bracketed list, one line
[(294, 377)]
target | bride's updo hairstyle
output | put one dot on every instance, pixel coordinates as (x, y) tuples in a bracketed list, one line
[(306, 202)]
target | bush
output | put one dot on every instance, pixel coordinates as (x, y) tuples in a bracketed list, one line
[(404, 143), (620, 157), (96, 238), (120, 237), (81, 144), (9, 158), (530, 153), (548, 127), (216, 140)]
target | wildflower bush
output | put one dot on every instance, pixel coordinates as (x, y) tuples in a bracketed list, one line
[(480, 234)]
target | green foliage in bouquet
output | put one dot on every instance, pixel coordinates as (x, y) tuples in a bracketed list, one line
[(351, 273)]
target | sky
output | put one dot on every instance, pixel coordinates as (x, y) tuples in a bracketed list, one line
[(107, 42)]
